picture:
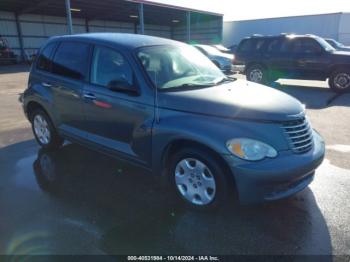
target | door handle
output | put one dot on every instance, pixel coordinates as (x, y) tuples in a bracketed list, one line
[(46, 84), (89, 96)]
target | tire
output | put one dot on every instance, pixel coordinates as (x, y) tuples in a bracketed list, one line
[(258, 74), (44, 131), (199, 184), (339, 81)]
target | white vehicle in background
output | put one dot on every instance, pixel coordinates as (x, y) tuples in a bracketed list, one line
[(338, 46), (221, 60)]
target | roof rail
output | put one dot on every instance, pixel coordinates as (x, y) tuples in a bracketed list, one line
[(257, 35)]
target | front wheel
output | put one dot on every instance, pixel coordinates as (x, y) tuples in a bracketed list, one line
[(257, 74), (198, 178), (339, 81), (44, 131)]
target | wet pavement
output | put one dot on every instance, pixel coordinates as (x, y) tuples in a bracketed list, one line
[(77, 201)]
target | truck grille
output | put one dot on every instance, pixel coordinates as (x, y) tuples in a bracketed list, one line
[(299, 135)]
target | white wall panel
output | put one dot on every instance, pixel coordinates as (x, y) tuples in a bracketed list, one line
[(323, 25), (344, 29)]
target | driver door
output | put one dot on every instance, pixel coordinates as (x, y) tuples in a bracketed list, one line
[(117, 121)]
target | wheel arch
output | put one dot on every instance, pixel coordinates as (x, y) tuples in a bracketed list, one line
[(32, 106), (334, 68), (180, 143)]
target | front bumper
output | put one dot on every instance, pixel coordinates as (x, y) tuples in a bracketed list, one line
[(273, 179), (238, 68), (229, 69)]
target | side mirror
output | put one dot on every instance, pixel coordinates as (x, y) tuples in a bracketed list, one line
[(122, 85)]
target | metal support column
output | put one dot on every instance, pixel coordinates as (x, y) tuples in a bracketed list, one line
[(69, 17), (20, 38), (188, 26), (87, 29), (142, 22)]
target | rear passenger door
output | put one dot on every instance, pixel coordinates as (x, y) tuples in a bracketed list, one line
[(70, 71), (280, 57)]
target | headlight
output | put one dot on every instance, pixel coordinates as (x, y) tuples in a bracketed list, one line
[(249, 149)]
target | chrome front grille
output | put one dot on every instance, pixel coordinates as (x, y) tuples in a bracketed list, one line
[(299, 135)]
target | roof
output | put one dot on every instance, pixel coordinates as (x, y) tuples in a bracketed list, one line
[(116, 10), (126, 41)]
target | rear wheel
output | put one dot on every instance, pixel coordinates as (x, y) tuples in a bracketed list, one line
[(44, 131), (339, 81), (198, 179), (258, 74)]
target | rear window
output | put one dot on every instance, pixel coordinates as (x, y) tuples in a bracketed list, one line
[(44, 61), (71, 60)]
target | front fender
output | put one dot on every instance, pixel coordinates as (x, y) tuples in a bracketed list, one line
[(213, 132)]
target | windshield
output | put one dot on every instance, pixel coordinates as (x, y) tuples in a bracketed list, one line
[(178, 66), (324, 44), (335, 43)]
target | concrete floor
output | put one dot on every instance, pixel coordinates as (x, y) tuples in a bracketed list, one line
[(76, 201)]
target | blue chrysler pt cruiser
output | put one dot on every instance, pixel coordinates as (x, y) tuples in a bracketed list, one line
[(163, 105)]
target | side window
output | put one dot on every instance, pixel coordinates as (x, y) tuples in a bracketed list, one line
[(109, 66), (44, 61), (71, 60), (259, 44), (287, 46), (273, 46), (245, 46), (307, 46)]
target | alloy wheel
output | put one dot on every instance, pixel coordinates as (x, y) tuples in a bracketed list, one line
[(256, 75), (342, 81)]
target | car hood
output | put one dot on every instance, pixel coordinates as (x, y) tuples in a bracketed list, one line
[(223, 55), (342, 53), (239, 99)]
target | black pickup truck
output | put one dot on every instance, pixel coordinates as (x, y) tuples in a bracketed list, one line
[(309, 57)]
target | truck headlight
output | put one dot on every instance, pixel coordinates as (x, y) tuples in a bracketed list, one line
[(249, 149)]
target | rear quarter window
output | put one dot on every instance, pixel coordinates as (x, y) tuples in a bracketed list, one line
[(44, 61)]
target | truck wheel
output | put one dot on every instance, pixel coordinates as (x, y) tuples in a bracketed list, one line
[(258, 74), (198, 179), (44, 131), (339, 81)]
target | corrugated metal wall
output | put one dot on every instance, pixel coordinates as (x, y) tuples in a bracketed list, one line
[(326, 25), (344, 29)]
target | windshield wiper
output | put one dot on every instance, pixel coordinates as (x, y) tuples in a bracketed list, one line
[(225, 79), (188, 86)]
